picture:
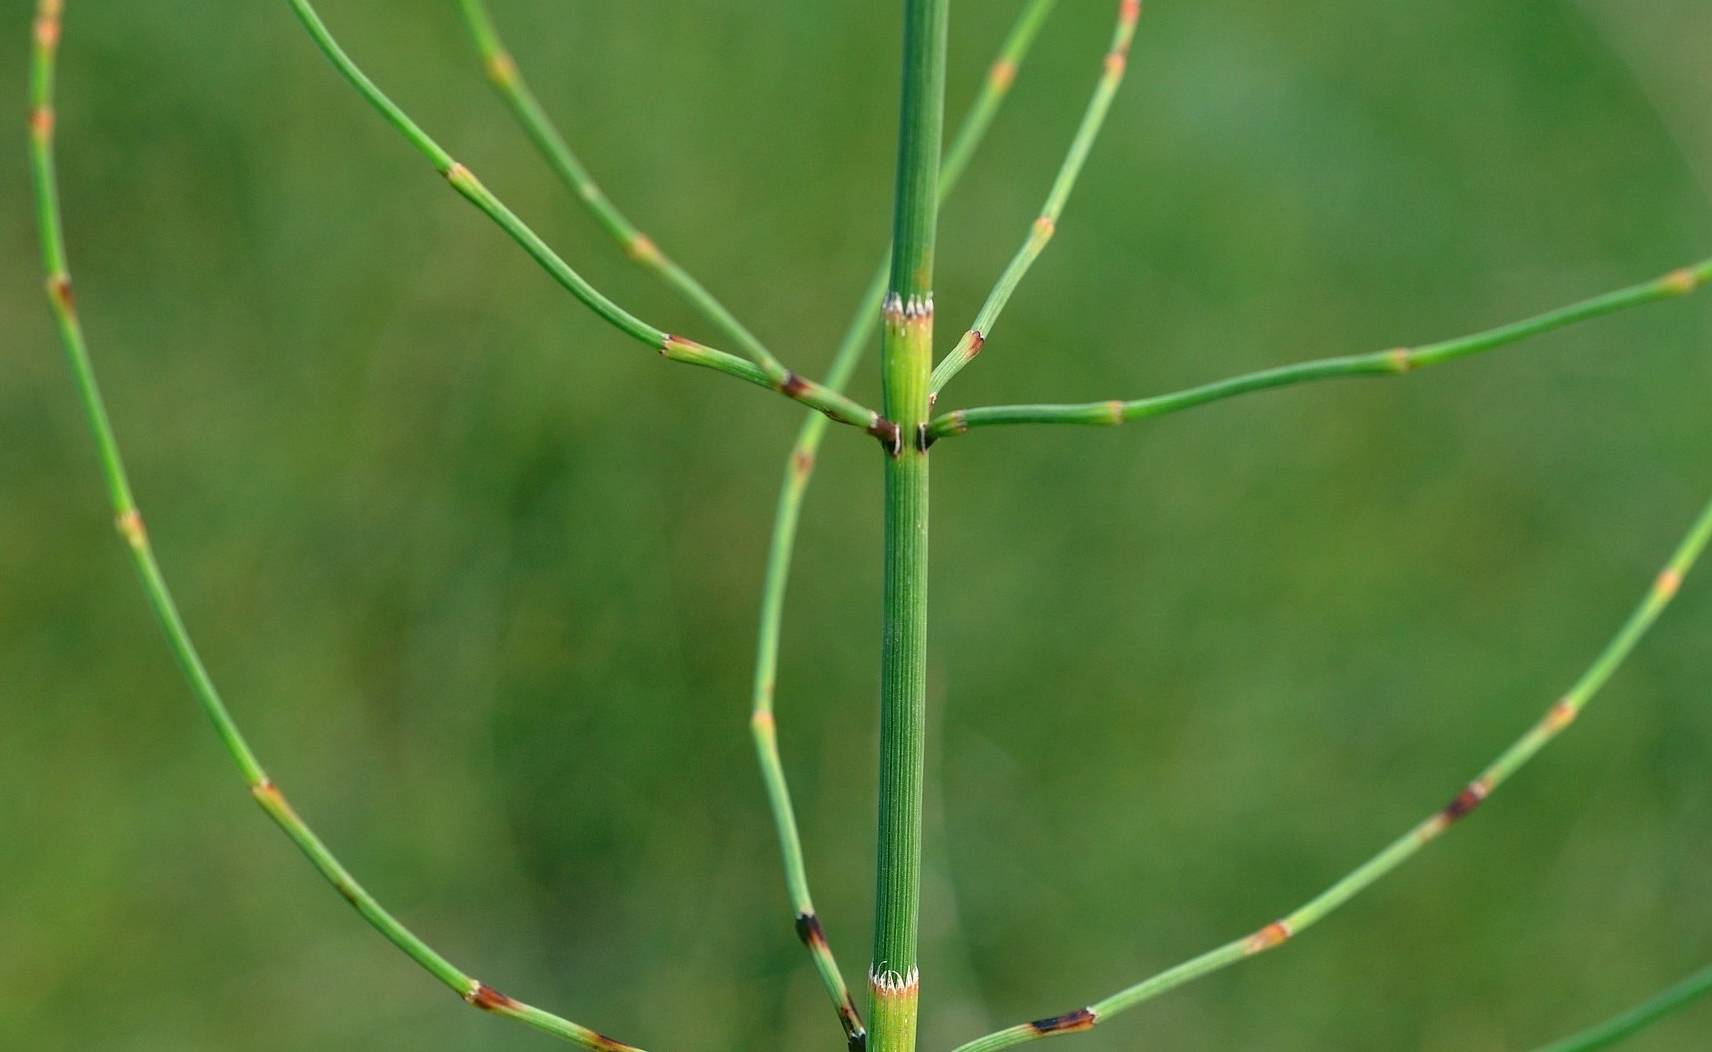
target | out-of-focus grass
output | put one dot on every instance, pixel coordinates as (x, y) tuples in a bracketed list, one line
[(480, 577)]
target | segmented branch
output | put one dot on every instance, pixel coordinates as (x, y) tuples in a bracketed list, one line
[(129, 522), (1392, 362), (1046, 224), (1558, 716), (766, 374), (508, 81)]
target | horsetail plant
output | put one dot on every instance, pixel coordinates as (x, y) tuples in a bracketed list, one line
[(899, 301)]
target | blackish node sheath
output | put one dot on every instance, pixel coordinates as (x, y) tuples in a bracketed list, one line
[(793, 385), (809, 930), (1464, 802), (488, 999), (1068, 1023)]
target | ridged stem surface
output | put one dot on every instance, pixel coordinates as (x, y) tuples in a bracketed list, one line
[(799, 469), (906, 351)]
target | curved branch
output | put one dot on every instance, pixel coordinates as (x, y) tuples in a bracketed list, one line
[(1560, 715), (130, 525)]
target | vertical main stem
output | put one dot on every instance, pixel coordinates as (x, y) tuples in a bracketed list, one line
[(906, 362)]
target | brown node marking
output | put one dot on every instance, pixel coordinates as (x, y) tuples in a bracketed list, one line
[(41, 122), (1681, 281), (59, 290), (1560, 715), (977, 340), (130, 526), (793, 385), (488, 999), (459, 176), (959, 421), (502, 68), (643, 250), (1467, 800), (1115, 62), (610, 1044), (1068, 1023), (1045, 226), (1401, 362), (1003, 74), (810, 932), (1268, 937), (47, 24), (802, 462), (1669, 583), (1115, 410), (1130, 11), (889, 434)]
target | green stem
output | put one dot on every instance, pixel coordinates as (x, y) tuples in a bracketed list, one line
[(1117, 57), (1393, 362), (1638, 1018), (502, 70), (1561, 714), (906, 359), (799, 469), (673, 348), (130, 525)]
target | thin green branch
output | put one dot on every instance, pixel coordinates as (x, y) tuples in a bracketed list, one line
[(130, 525), (1377, 363), (799, 468), (674, 348), (1561, 714), (1093, 119), (507, 79), (1620, 1028)]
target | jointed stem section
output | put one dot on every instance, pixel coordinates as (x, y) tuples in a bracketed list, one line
[(508, 81), (1392, 362), (1560, 715), (906, 359), (799, 469), (1117, 58), (764, 373), (129, 522)]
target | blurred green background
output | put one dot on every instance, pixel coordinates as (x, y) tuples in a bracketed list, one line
[(480, 577)]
